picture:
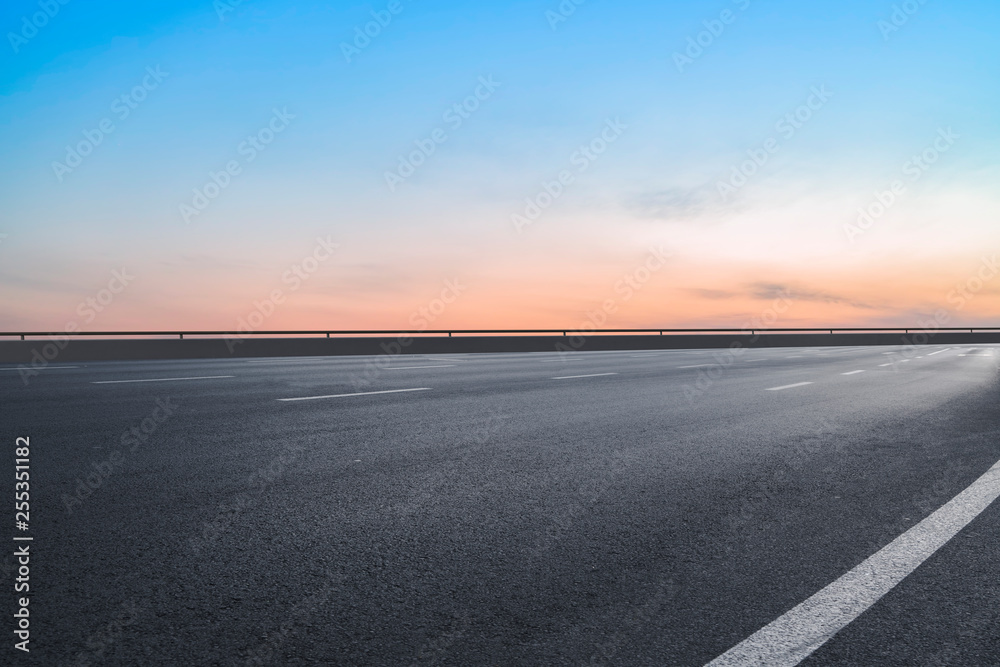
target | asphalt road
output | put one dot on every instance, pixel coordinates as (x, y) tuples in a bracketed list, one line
[(619, 508)]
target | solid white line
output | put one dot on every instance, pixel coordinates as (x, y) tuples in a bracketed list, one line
[(573, 377), (207, 377), (789, 386), (792, 637), (852, 372), (283, 361), (697, 366), (360, 393), (406, 368), (43, 368), (558, 361), (938, 352)]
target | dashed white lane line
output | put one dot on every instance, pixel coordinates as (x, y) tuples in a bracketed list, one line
[(206, 377), (792, 637), (938, 352), (573, 377), (884, 365), (360, 393), (852, 372), (789, 386), (407, 368)]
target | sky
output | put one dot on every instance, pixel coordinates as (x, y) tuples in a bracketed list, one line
[(414, 164)]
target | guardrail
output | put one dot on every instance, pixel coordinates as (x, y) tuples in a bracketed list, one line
[(459, 332)]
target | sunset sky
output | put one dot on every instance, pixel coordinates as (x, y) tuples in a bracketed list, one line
[(534, 164)]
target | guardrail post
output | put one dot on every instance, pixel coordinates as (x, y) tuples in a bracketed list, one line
[(182, 336), (22, 336), (449, 334), (328, 334)]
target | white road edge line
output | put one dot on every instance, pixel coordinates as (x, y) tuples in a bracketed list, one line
[(406, 368), (360, 393), (795, 635), (558, 361), (852, 372), (789, 386), (206, 377), (573, 377)]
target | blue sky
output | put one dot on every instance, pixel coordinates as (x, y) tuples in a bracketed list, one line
[(558, 85)]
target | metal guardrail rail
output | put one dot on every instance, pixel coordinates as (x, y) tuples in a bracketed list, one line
[(328, 333)]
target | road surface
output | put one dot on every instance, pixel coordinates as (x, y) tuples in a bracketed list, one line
[(601, 508)]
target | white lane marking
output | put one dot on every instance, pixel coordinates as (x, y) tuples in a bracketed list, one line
[(360, 393), (852, 372), (206, 377), (43, 368), (573, 377), (883, 365), (406, 368), (938, 352), (283, 361), (558, 361), (792, 637), (794, 356), (789, 386), (697, 366)]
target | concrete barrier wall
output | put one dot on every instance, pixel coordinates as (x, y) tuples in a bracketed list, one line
[(84, 349)]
